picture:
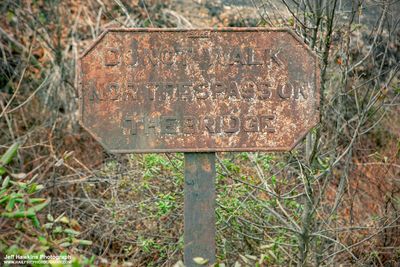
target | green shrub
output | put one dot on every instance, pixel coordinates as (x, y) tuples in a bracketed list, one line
[(21, 209)]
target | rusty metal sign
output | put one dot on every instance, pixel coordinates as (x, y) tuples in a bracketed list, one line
[(168, 90)]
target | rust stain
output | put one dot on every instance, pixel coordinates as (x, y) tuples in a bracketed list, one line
[(206, 166), (169, 90)]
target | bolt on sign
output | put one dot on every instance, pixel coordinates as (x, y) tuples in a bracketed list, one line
[(169, 90)]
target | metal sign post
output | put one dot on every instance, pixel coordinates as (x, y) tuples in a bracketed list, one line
[(198, 91), (199, 208)]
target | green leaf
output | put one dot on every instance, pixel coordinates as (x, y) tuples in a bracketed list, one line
[(10, 205), (48, 225), (91, 260), (2, 192), (4, 199), (32, 188), (85, 242), (57, 230), (39, 187), (71, 232), (40, 206), (30, 213), (5, 182), (19, 214), (20, 200), (35, 221), (21, 185), (50, 218), (63, 219), (10, 15), (10, 154), (36, 200), (42, 240), (2, 170), (16, 195), (65, 244), (146, 23)]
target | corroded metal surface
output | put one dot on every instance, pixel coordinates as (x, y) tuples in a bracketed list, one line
[(166, 90), (199, 208)]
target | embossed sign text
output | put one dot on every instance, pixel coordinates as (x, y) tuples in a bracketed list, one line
[(198, 90)]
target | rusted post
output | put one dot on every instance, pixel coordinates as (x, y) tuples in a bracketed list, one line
[(199, 208)]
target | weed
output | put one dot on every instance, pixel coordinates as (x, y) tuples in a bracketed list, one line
[(165, 204)]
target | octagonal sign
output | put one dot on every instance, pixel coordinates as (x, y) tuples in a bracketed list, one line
[(168, 90)]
